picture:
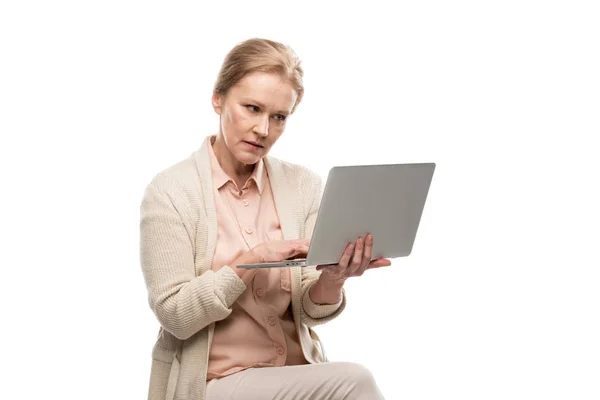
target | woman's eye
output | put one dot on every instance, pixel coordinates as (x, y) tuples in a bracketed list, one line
[(252, 108), (279, 117)]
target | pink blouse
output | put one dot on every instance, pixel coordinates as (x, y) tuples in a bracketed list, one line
[(260, 331)]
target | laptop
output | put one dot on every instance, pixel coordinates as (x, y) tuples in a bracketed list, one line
[(384, 200)]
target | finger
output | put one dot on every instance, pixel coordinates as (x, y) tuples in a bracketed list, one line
[(361, 270), (320, 267), (301, 248), (357, 257), (301, 241), (301, 251), (368, 248), (340, 268), (380, 262), (345, 258), (366, 258), (296, 251), (290, 252)]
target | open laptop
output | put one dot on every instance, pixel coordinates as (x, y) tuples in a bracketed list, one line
[(384, 200)]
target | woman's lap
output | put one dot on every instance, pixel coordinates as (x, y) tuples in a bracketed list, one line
[(332, 380)]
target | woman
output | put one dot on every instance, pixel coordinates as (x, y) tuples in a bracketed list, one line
[(229, 333)]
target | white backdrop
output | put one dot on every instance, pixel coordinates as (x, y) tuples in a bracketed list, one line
[(500, 298)]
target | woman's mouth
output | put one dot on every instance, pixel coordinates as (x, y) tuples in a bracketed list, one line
[(253, 145)]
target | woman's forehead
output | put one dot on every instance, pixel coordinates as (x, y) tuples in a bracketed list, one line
[(269, 89)]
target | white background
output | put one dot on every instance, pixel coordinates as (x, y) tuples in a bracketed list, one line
[(500, 298)]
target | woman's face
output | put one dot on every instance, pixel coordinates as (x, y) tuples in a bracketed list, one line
[(253, 115)]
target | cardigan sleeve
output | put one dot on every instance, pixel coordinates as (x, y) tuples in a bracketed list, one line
[(316, 314), (182, 302)]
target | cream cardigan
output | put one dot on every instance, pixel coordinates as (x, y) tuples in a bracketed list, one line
[(178, 235)]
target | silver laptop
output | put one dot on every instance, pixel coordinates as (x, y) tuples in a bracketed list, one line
[(384, 200)]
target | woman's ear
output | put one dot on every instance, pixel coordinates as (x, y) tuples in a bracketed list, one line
[(216, 102)]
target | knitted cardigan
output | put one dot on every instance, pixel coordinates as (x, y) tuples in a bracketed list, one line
[(178, 235)]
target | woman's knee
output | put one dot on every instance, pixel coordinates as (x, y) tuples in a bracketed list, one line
[(358, 374)]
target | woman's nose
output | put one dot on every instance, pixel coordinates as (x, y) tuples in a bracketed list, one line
[(262, 126)]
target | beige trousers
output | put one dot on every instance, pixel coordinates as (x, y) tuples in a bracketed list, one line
[(331, 381)]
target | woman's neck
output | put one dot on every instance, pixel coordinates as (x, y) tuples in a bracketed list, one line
[(235, 169)]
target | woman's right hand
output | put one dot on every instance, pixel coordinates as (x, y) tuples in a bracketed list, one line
[(273, 251)]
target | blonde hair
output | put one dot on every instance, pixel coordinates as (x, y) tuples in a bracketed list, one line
[(260, 55)]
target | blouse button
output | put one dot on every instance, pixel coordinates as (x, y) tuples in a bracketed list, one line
[(272, 321), (249, 230), (260, 292), (280, 350), (246, 203)]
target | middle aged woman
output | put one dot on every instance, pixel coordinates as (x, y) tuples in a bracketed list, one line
[(227, 332)]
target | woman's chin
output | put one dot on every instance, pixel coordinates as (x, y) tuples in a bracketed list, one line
[(248, 159)]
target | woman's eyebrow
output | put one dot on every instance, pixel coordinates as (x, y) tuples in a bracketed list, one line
[(260, 105)]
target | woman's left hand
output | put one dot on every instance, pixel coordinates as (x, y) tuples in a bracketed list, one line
[(354, 262)]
